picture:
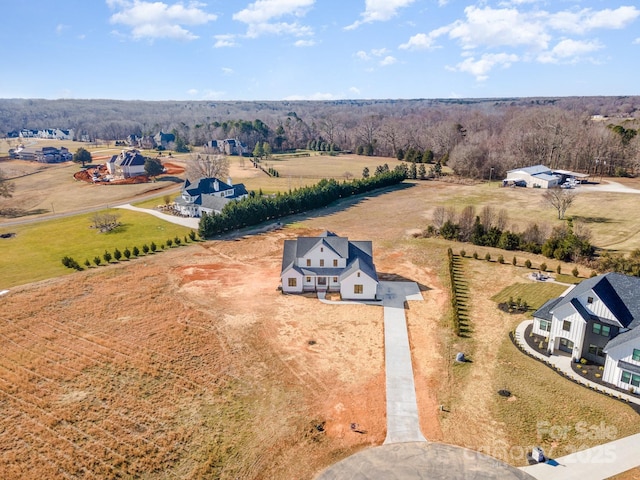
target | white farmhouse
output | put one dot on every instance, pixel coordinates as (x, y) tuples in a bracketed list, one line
[(329, 263), (599, 320), (207, 195)]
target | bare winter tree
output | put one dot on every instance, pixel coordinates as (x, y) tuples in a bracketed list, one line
[(465, 221), (560, 199), (208, 166), (439, 215), (6, 187)]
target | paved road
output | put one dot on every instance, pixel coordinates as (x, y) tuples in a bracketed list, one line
[(421, 461), (403, 424), (189, 222), (595, 463)]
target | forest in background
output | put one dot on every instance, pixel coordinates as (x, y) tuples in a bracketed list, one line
[(477, 138)]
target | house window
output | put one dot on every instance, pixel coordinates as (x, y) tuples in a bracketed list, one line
[(628, 377), (636, 355), (600, 329), (335, 262), (545, 325), (595, 350), (335, 279), (322, 263), (308, 279), (566, 326), (321, 249), (358, 289), (308, 262), (589, 299), (293, 282), (358, 274)]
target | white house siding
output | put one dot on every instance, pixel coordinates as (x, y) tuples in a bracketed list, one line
[(369, 287), (612, 373), (537, 330), (597, 307), (575, 334), (322, 252), (291, 273)]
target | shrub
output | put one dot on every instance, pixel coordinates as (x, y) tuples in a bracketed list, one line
[(192, 236), (107, 256), (593, 273), (145, 248), (117, 254), (583, 361), (162, 246), (575, 272), (559, 269), (514, 262), (87, 263), (527, 263), (543, 267), (71, 263), (487, 257), (475, 255), (127, 253), (177, 241), (169, 243), (136, 251), (541, 345), (462, 253), (153, 246), (500, 259), (97, 261)]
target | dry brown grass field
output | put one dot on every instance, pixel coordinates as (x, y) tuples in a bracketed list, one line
[(191, 364)]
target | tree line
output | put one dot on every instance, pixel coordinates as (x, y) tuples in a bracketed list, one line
[(477, 138), (256, 209)]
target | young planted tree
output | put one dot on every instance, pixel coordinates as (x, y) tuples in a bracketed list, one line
[(117, 254), (107, 256)]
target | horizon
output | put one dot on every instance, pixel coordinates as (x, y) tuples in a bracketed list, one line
[(307, 50)]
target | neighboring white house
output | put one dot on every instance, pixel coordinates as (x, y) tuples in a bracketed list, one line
[(329, 263), (599, 320), (129, 163), (208, 195)]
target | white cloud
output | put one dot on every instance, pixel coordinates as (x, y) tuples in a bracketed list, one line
[(362, 55), (489, 27), (480, 68), (422, 41), (636, 41), (227, 71), (304, 43), (212, 95), (192, 92), (61, 28), (586, 20), (568, 49), (225, 40), (260, 17), (388, 60), (379, 52), (379, 11), (159, 20), (354, 90)]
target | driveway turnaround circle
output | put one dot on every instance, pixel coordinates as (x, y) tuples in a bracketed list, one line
[(421, 461)]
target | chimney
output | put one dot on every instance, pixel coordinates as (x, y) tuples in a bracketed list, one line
[(216, 185), (229, 182)]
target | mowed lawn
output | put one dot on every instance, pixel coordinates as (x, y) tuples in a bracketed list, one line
[(36, 251)]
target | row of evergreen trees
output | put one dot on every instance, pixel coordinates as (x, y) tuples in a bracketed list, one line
[(257, 209)]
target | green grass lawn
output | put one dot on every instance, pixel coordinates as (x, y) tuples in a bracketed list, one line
[(36, 251), (535, 294)]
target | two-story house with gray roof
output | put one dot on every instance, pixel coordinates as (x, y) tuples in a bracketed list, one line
[(599, 320), (329, 263), (208, 195)]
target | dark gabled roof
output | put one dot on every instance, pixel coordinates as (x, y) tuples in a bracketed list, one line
[(582, 311), (623, 338), (206, 186), (544, 312), (289, 254), (340, 245), (620, 293)]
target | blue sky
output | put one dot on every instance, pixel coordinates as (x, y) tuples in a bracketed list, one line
[(318, 49)]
